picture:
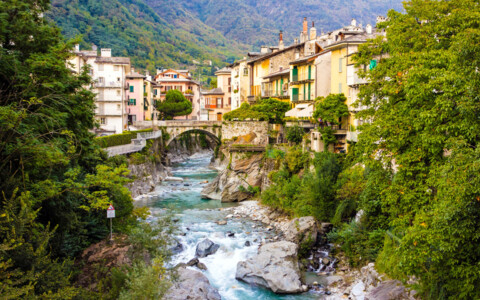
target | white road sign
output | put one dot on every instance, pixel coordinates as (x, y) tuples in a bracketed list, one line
[(111, 212)]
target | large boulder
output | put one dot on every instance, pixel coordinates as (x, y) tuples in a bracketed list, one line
[(234, 179), (389, 290), (192, 285), (205, 248), (302, 230), (274, 267)]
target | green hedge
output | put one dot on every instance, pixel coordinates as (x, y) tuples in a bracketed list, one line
[(118, 139)]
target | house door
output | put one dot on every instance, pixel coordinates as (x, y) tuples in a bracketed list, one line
[(219, 116)]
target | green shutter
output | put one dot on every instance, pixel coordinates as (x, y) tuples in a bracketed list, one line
[(309, 89), (281, 87), (373, 64), (294, 94), (276, 87), (309, 72), (294, 74)]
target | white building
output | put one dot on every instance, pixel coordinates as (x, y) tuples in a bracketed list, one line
[(108, 74), (240, 82)]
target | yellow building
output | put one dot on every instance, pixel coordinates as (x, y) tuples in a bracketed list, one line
[(275, 85), (302, 80)]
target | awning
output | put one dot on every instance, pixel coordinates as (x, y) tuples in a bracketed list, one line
[(303, 110)]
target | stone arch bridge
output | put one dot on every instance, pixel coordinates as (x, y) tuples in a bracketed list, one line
[(175, 128)]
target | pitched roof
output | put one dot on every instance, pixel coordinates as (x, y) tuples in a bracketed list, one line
[(113, 60), (135, 75), (215, 91), (224, 70), (278, 73), (271, 54)]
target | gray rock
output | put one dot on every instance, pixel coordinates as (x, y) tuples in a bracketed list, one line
[(205, 248), (358, 290), (302, 230), (201, 266), (248, 244), (388, 290), (193, 285), (274, 267), (192, 262), (176, 247)]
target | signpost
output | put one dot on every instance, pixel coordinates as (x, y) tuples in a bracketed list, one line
[(111, 215)]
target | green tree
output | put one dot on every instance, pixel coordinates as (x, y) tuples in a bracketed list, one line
[(331, 108), (55, 182), (295, 134), (424, 106), (175, 105)]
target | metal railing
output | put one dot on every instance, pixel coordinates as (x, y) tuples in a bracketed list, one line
[(136, 145)]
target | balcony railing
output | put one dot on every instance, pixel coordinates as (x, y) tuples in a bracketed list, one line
[(109, 84), (295, 98)]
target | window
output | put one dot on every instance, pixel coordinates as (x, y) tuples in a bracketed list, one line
[(155, 92), (101, 79), (229, 80), (118, 79), (175, 75), (167, 88), (219, 102), (103, 121), (245, 71), (100, 67), (340, 88), (119, 107), (116, 68), (229, 89), (229, 101), (144, 89), (131, 89), (118, 92), (132, 102), (340, 65)]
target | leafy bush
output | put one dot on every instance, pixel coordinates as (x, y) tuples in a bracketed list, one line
[(295, 134), (264, 110), (359, 244), (124, 138)]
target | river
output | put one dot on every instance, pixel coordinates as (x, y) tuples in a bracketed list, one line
[(197, 220)]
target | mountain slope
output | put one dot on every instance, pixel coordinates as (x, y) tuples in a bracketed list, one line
[(131, 28), (257, 23)]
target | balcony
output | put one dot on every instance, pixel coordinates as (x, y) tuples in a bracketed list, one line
[(109, 84), (275, 94), (211, 106), (352, 77)]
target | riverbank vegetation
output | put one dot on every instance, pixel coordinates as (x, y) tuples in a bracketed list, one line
[(264, 110), (412, 178), (55, 181)]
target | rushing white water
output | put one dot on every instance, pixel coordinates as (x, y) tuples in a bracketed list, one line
[(197, 219)]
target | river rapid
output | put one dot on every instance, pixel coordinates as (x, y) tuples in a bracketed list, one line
[(197, 220)]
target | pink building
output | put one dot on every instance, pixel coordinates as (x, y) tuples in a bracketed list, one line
[(182, 81), (135, 97)]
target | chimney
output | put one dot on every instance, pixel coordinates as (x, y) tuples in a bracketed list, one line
[(354, 23), (313, 32), (305, 26), (381, 19), (264, 49), (295, 41), (281, 45), (106, 52), (77, 47), (369, 29), (133, 70)]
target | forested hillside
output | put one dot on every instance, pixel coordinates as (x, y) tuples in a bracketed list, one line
[(258, 22), (133, 29)]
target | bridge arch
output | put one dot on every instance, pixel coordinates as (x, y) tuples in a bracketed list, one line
[(213, 137)]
